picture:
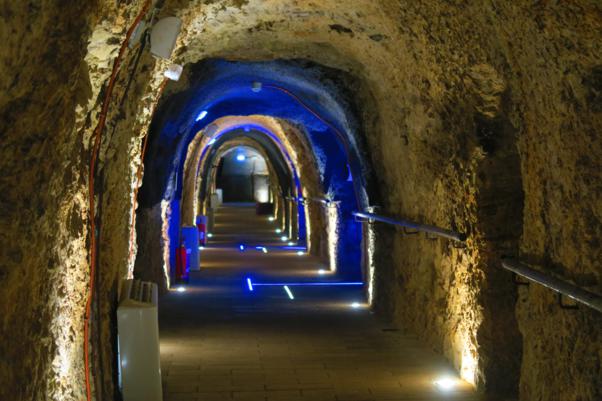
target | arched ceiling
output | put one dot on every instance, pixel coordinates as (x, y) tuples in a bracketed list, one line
[(301, 93)]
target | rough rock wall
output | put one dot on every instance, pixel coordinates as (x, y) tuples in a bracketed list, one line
[(428, 134), (546, 57), (43, 202), (55, 60)]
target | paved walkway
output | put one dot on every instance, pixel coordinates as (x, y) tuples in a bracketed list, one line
[(220, 341)]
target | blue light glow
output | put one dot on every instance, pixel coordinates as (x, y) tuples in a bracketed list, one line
[(211, 142), (289, 292), (241, 247), (201, 115), (294, 248), (310, 284), (250, 284), (241, 158)]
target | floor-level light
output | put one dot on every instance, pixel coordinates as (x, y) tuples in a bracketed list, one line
[(289, 292), (321, 272), (271, 218), (290, 243), (284, 238), (264, 249), (201, 248), (250, 284), (312, 284), (209, 235), (278, 231), (300, 253), (181, 289), (445, 383), (355, 305)]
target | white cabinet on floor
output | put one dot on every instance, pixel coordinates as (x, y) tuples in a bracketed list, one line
[(138, 341)]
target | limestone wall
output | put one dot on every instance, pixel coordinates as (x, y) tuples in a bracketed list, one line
[(482, 117)]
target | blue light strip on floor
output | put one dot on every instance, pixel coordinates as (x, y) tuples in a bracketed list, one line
[(308, 284)]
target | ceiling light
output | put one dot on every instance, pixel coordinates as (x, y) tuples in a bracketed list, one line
[(256, 86), (241, 158), (201, 115)]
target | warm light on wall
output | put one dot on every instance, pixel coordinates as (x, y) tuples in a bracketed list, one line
[(165, 218), (333, 235), (469, 364), (370, 240)]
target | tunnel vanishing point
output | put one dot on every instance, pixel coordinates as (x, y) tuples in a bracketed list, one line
[(446, 155)]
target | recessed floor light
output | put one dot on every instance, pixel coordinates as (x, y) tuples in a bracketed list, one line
[(445, 383), (181, 289), (289, 292)]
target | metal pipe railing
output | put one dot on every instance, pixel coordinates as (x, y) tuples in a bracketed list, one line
[(323, 201), (441, 232), (580, 295)]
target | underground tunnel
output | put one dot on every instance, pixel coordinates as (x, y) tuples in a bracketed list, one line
[(300, 200)]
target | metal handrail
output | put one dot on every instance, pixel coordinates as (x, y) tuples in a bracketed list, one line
[(453, 235), (585, 297), (310, 199)]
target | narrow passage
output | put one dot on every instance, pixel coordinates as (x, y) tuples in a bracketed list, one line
[(221, 341)]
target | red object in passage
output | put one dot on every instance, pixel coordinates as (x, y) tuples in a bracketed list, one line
[(201, 223), (182, 267)]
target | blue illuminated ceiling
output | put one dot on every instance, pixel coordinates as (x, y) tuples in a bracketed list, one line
[(223, 88)]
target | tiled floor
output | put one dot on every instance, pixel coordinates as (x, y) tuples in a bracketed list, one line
[(219, 341)]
